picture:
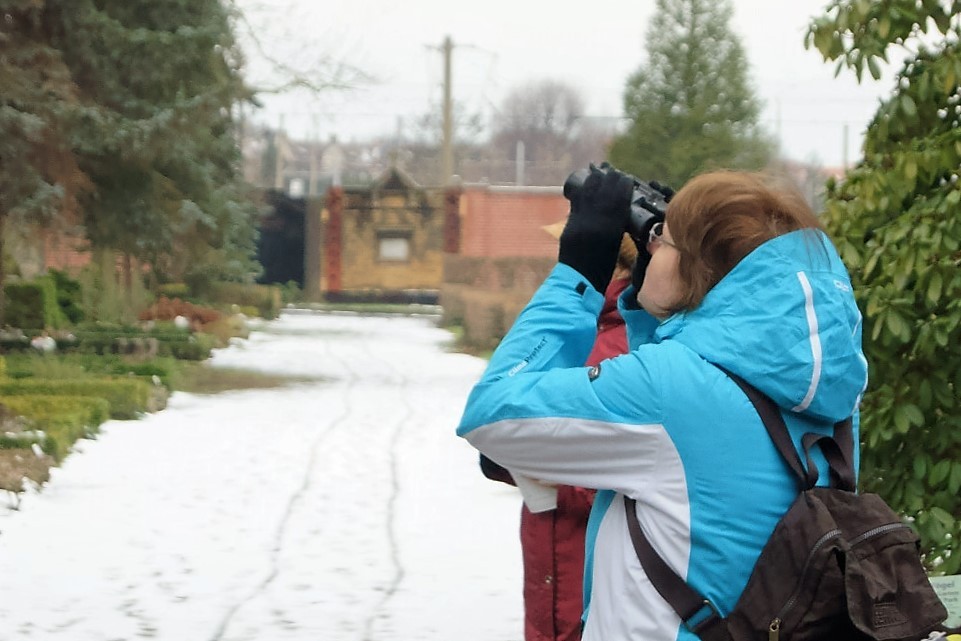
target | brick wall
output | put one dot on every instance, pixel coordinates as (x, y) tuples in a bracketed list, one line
[(501, 222), (505, 254), (485, 295), (65, 253)]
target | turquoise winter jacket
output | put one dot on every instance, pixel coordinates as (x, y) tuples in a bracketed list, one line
[(666, 427)]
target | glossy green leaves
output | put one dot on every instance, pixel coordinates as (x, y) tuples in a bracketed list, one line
[(896, 218)]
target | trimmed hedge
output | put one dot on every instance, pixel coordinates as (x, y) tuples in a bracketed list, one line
[(14, 344), (33, 305), (174, 290), (180, 344), (59, 421), (127, 397), (162, 329)]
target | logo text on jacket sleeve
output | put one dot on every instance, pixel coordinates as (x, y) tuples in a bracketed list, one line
[(527, 359)]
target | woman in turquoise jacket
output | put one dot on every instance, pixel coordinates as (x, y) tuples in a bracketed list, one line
[(740, 276)]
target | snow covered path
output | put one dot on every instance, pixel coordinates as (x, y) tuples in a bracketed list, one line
[(342, 510)]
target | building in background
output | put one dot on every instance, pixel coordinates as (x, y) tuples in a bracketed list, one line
[(382, 242)]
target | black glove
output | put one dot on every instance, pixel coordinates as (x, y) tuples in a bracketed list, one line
[(600, 210)]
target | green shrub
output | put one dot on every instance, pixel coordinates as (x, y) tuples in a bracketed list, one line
[(99, 344), (88, 410), (177, 343), (3, 367), (13, 344), (58, 421), (127, 397), (33, 305), (174, 290), (197, 349), (69, 296), (290, 292), (160, 329)]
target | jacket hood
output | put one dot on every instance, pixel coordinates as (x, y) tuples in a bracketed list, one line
[(784, 319)]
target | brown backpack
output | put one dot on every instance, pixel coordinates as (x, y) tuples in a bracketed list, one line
[(839, 566)]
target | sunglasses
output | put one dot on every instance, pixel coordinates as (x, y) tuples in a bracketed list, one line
[(656, 235)]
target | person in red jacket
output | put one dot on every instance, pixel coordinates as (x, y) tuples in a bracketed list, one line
[(552, 542)]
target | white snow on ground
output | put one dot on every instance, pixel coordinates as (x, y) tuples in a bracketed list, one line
[(339, 510)]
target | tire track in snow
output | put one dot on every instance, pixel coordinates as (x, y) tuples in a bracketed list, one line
[(349, 382), (392, 536)]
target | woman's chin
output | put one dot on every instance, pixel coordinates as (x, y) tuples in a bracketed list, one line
[(656, 311)]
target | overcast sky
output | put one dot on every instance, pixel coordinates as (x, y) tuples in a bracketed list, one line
[(501, 44)]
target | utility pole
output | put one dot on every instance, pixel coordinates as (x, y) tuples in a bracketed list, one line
[(312, 173), (280, 145), (447, 151), (519, 164), (844, 147)]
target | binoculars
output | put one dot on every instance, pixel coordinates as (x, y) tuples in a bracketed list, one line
[(648, 200)]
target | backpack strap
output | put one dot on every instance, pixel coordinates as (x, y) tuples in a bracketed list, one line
[(844, 437), (834, 448), (697, 614)]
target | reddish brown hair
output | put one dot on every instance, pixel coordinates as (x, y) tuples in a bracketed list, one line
[(718, 218), (628, 253)]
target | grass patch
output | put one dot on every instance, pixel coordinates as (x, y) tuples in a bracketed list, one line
[(200, 378), (51, 366), (406, 309), (89, 366)]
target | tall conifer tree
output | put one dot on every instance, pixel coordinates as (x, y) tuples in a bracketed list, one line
[(162, 78), (38, 172), (691, 104)]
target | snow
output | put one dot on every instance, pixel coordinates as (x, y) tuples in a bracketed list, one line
[(338, 509)]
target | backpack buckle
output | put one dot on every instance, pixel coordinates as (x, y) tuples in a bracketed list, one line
[(702, 618)]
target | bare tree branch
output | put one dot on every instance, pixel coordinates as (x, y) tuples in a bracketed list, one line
[(325, 74)]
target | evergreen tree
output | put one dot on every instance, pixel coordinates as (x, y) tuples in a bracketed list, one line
[(120, 111), (38, 174), (691, 105), (160, 79), (895, 220)]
